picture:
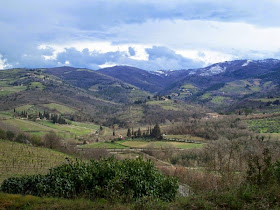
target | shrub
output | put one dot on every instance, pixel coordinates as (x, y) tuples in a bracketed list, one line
[(108, 178), (10, 135), (3, 134), (36, 140), (22, 138), (52, 141)]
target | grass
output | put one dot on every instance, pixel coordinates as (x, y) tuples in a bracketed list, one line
[(139, 143), (12, 201), (42, 127), (36, 85), (24, 108), (104, 145), (60, 108), (138, 95), (11, 89), (86, 125), (71, 129), (27, 126), (267, 125), (22, 159), (184, 137), (245, 87), (206, 96), (5, 115), (219, 99), (188, 86), (158, 144), (167, 105), (52, 107), (267, 99)]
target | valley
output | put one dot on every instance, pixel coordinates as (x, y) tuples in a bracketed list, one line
[(198, 125)]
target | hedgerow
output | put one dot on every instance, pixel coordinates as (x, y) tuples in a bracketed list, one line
[(107, 178)]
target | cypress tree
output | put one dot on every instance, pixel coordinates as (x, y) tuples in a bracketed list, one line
[(156, 132), (139, 133), (128, 132)]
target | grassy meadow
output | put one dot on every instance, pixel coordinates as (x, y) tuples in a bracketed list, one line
[(123, 144), (41, 127)]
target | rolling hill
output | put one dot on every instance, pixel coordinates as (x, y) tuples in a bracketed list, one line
[(114, 94)]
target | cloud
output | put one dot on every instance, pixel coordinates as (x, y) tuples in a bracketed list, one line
[(131, 51), (120, 31), (168, 59), (158, 58), (3, 63)]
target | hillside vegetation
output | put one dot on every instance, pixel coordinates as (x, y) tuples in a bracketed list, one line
[(21, 159)]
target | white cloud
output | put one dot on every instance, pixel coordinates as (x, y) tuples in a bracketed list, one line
[(98, 47), (206, 56), (3, 63), (205, 31), (194, 34)]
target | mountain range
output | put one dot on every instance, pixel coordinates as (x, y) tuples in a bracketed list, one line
[(106, 93)]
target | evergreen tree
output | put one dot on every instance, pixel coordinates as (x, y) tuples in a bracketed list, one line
[(156, 132), (128, 132), (139, 133)]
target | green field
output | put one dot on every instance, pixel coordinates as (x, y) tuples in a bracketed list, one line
[(22, 159), (184, 137), (28, 126), (60, 108), (167, 105), (141, 144), (206, 96), (245, 86), (267, 125), (219, 99), (41, 127), (267, 99), (158, 144), (11, 89), (71, 129), (51, 107), (189, 86), (104, 145), (36, 85)]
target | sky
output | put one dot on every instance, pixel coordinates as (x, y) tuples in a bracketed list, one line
[(148, 34)]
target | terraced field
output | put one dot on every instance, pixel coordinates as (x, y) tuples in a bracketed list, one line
[(22, 159)]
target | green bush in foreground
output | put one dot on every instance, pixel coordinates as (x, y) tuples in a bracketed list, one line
[(107, 178)]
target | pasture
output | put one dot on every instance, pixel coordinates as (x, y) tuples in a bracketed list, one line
[(159, 144), (41, 127)]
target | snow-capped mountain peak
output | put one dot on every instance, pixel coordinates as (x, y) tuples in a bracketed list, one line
[(247, 63)]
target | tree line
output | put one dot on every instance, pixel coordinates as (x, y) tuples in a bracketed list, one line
[(54, 118), (149, 133)]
